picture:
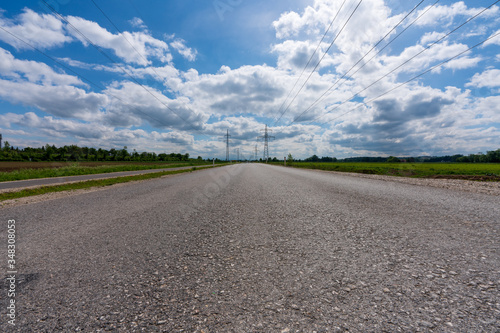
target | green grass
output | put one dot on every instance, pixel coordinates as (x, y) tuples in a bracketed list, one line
[(407, 169), (89, 184), (78, 170)]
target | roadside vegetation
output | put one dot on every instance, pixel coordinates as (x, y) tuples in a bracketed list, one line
[(483, 167), (89, 184), (35, 170), (479, 171), (50, 161), (74, 153)]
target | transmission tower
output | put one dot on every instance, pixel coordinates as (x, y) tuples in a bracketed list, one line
[(256, 152), (237, 150), (227, 136), (266, 137)]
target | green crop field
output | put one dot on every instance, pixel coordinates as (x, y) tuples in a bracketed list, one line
[(473, 171)]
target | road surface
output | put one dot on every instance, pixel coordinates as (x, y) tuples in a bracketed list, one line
[(257, 248), (19, 184)]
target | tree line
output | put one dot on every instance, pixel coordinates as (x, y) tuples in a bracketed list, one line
[(84, 154), (490, 157)]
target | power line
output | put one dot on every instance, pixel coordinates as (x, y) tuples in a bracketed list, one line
[(312, 55), (84, 78), (416, 77), (324, 54), (361, 59), (135, 49), (121, 33), (405, 62), (135, 8), (120, 66), (77, 74), (123, 36)]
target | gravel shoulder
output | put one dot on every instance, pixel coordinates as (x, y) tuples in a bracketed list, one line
[(491, 188)]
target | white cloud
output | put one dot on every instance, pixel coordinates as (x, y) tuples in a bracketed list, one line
[(92, 134), (180, 46), (431, 37), (489, 78), (135, 47), (168, 74), (486, 111), (136, 22), (136, 106), (289, 24), (495, 39), (62, 101), (76, 63), (256, 90), (417, 120), (463, 62), (42, 31), (57, 127), (35, 84), (425, 58), (296, 54), (32, 71), (441, 15), (368, 24), (176, 137)]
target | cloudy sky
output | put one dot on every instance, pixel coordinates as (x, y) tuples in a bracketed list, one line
[(329, 77)]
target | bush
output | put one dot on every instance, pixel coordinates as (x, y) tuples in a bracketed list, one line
[(393, 159)]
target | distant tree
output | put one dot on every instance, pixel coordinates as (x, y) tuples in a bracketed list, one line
[(112, 155), (313, 158), (393, 159), (493, 156), (328, 159), (123, 155)]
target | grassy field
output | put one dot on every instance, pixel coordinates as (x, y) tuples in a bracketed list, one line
[(473, 171), (10, 171)]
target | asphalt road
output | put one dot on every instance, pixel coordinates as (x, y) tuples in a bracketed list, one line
[(18, 184), (257, 248)]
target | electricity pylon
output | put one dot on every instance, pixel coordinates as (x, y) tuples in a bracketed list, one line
[(227, 136), (266, 137)]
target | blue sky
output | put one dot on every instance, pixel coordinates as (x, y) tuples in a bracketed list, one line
[(177, 75)]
